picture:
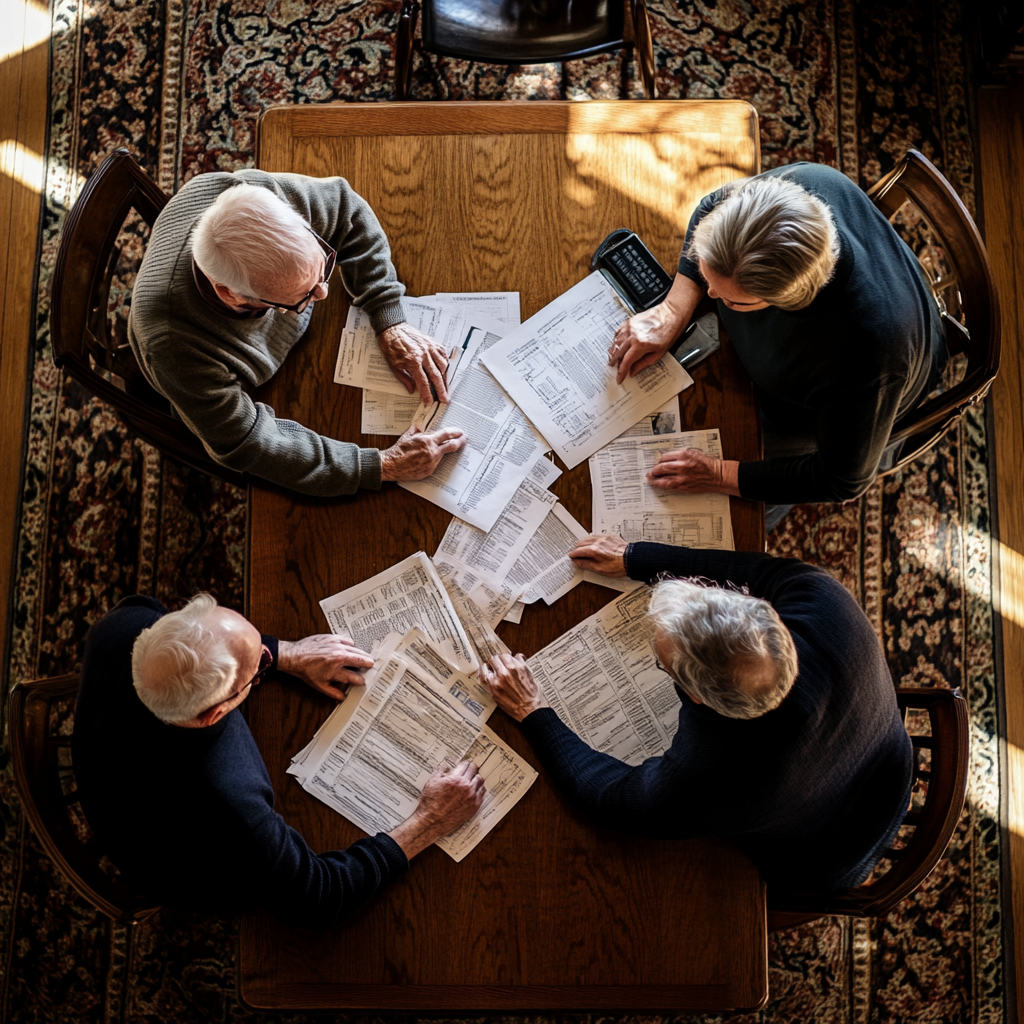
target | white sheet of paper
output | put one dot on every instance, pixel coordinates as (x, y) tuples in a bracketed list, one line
[(602, 679), (515, 613), (477, 482), (665, 420), (544, 569), (507, 777), (384, 413), (406, 596), (626, 505), (500, 306), (555, 366)]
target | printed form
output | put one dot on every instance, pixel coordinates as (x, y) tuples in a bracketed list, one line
[(603, 680), (625, 504), (502, 446), (406, 596), (372, 757), (555, 366)]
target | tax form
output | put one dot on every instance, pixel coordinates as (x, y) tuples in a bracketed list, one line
[(625, 504), (372, 757), (555, 366), (603, 681), (408, 595), (500, 306), (502, 446)]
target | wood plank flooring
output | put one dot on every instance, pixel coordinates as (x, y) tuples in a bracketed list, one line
[(23, 98), (1001, 144)]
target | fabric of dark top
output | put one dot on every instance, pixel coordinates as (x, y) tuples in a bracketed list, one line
[(866, 351), (813, 790), (188, 814)]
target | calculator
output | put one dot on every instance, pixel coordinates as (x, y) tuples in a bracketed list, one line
[(632, 270)]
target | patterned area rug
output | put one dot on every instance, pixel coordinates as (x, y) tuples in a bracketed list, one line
[(181, 85)]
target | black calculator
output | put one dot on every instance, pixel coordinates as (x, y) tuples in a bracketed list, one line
[(632, 270)]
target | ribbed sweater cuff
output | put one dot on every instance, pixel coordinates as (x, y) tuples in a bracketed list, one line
[(369, 469), (389, 315)]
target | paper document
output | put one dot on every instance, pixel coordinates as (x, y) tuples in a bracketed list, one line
[(544, 569), (408, 595), (360, 361), (500, 306), (627, 505), (555, 366), (603, 681), (384, 413), (502, 446), (372, 757), (665, 420)]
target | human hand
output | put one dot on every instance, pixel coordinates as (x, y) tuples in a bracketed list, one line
[(643, 339), (324, 661), (417, 361), (450, 797), (415, 455), (690, 471), (512, 685), (601, 552)]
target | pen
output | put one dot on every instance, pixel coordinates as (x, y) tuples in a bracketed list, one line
[(689, 356)]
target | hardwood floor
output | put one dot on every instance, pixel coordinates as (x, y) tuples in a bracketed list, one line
[(23, 98), (1001, 146), (23, 93)]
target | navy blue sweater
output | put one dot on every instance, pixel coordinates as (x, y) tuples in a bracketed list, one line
[(188, 814), (813, 790), (842, 371)]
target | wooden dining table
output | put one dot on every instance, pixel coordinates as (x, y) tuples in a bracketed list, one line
[(550, 912)]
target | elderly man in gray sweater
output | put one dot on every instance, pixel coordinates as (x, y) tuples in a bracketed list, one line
[(227, 287)]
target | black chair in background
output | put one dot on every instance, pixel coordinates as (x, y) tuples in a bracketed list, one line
[(514, 32)]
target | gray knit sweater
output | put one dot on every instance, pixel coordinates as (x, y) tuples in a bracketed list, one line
[(205, 363)]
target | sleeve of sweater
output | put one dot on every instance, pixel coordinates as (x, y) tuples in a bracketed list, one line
[(318, 891), (687, 267), (344, 219), (852, 428), (247, 436)]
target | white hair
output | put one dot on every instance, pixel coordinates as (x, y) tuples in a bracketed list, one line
[(250, 238), (773, 238), (715, 634), (200, 669)]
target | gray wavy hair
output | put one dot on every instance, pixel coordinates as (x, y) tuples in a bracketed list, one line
[(250, 238), (715, 634), (202, 670), (773, 238)]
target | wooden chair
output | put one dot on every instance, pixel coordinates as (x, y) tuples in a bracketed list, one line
[(946, 780), (514, 32), (967, 295), (43, 774), (88, 342)]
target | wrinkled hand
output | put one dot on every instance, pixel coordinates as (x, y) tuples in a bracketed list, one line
[(326, 662), (690, 471), (512, 685), (415, 455), (643, 339), (417, 361), (450, 797), (601, 552)]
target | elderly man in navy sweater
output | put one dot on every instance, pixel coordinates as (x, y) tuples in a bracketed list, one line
[(790, 742), (174, 787)]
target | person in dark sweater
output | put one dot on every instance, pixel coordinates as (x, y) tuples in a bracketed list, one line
[(790, 742), (832, 318), (173, 785)]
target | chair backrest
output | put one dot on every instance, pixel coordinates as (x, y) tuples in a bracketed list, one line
[(525, 32), (88, 342), (44, 777), (967, 291), (944, 776)]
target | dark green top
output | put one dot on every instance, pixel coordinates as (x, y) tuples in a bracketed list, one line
[(845, 368)]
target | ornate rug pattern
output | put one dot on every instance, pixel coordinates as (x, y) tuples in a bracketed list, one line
[(181, 85)]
